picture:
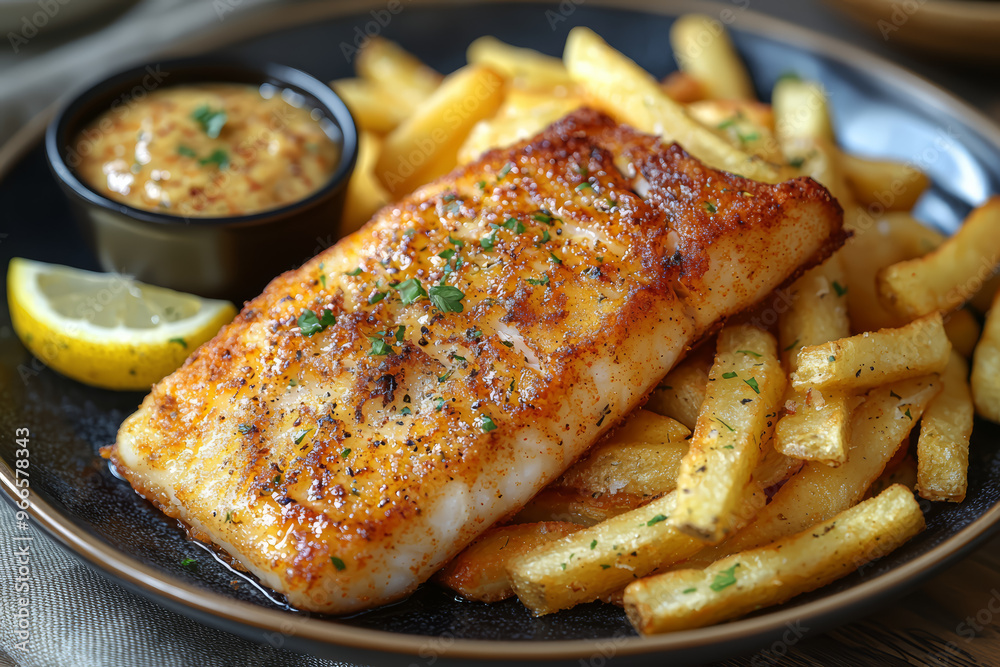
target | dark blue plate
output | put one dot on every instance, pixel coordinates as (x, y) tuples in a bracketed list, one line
[(880, 110)]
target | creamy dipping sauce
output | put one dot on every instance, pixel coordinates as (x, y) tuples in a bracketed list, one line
[(209, 150)]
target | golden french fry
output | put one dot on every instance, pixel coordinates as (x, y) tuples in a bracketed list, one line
[(745, 125), (903, 472), (815, 424), (963, 331), (703, 49), (365, 195), (641, 458), (875, 358), (479, 572), (817, 492), (372, 108), (774, 467), (522, 115), (982, 299), (682, 87), (943, 447), (426, 145), (563, 504), (632, 95), (603, 558), (950, 275), (893, 186), (526, 68), (745, 387), (399, 73), (777, 572), (986, 366), (682, 392)]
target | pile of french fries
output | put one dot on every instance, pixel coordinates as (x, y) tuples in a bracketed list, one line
[(773, 459)]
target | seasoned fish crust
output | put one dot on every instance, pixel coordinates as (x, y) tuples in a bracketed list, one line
[(343, 462)]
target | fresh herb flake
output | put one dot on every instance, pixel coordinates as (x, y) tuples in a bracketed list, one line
[(728, 376), (179, 341), (752, 382), (337, 563), (514, 225), (839, 289), (186, 151), (486, 423), (724, 579), (219, 157), (447, 298), (300, 435), (379, 347), (750, 352), (656, 519), (211, 122), (410, 290)]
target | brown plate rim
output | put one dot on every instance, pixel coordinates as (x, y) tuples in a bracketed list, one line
[(104, 557)]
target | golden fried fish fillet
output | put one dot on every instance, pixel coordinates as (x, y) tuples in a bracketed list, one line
[(372, 412)]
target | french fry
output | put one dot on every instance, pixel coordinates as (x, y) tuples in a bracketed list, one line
[(817, 492), (986, 366), (892, 185), (815, 424), (912, 237), (774, 467), (744, 391), (682, 87), (563, 504), (373, 109), (479, 572), (777, 572), (365, 195), (963, 331), (629, 93), (641, 458), (950, 275), (875, 358), (522, 115), (904, 472), (682, 392), (943, 447), (603, 558), (397, 72), (746, 125), (703, 49), (982, 299), (526, 68), (426, 145)]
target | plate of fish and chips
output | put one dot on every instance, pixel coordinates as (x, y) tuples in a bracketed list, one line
[(785, 432)]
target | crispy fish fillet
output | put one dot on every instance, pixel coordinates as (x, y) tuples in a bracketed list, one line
[(347, 435)]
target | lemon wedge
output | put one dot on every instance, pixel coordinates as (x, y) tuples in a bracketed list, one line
[(105, 329)]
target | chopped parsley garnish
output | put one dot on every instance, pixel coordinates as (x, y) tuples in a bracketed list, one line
[(244, 428), (506, 170), (486, 423), (544, 280), (448, 374), (379, 347), (729, 122), (310, 324), (186, 151), (583, 186), (400, 331), (507, 343), (709, 206), (797, 162), (438, 403), (356, 272), (219, 157), (731, 429), (410, 290), (406, 410), (831, 358), (724, 579), (189, 563), (907, 413), (688, 591), (322, 279), (210, 121), (488, 241), (458, 358), (542, 216), (545, 236), (337, 563), (376, 297), (514, 225), (458, 243), (179, 341), (750, 352), (554, 259), (593, 544), (447, 298), (839, 289), (656, 519), (447, 254), (792, 345), (728, 376), (481, 185), (344, 454), (300, 435), (753, 384), (605, 566)]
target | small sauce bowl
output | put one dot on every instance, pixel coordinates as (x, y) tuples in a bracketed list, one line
[(231, 256)]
